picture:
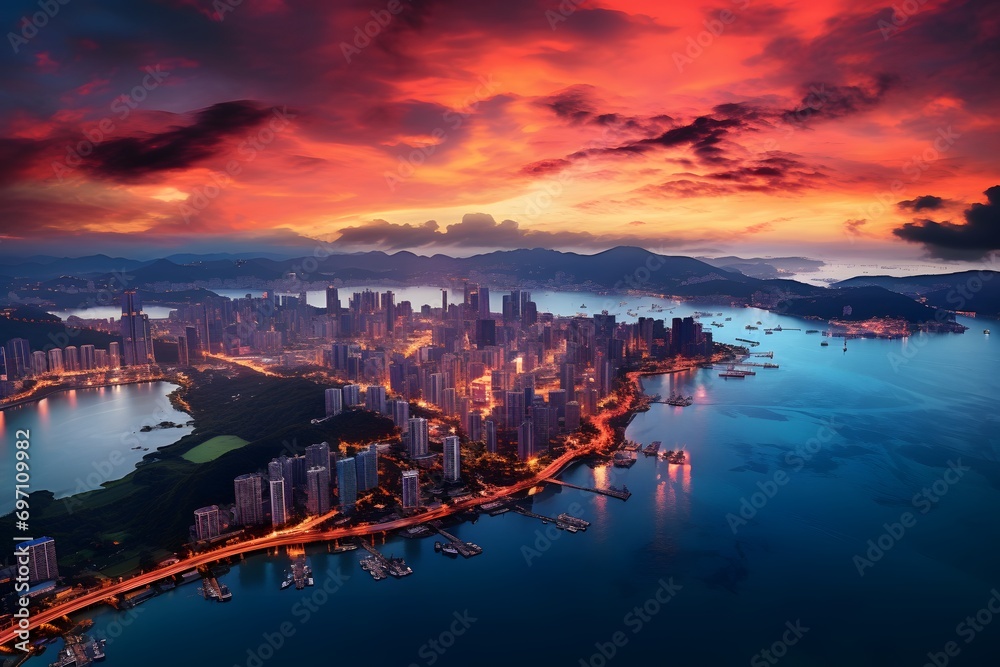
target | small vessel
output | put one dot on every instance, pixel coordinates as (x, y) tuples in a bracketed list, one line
[(225, 595), (583, 305), (812, 330), (449, 549), (310, 581), (437, 547), (289, 580), (731, 374), (824, 344), (986, 331)]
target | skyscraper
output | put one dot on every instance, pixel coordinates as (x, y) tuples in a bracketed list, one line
[(318, 490), (411, 489), (490, 428), (418, 437), (206, 522), (352, 395), (71, 358), (366, 468), (375, 398), (56, 360), (347, 483), (136, 338), (525, 441), (18, 358), (183, 356), (484, 303), (334, 401), (114, 354), (249, 503), (572, 416), (513, 409), (42, 564), (452, 458), (88, 358), (332, 301), (318, 455), (281, 493), (401, 414)]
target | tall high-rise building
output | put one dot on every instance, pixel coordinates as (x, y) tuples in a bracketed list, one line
[(375, 398), (513, 409), (183, 356), (318, 490), (71, 359), (347, 482), (484, 303), (567, 379), (572, 416), (411, 489), (39, 363), (334, 401), (206, 522), (366, 468), (318, 455), (88, 358), (452, 458), (114, 354), (352, 395), (42, 565), (137, 341), (332, 301), (418, 437), (490, 429), (56, 360), (474, 426), (279, 510), (525, 441), (401, 414), (249, 502), (18, 358)]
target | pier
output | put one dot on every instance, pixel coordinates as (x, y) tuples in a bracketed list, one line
[(379, 566), (467, 549), (622, 493), (751, 343)]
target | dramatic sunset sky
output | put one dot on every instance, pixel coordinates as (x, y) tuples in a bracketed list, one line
[(821, 128)]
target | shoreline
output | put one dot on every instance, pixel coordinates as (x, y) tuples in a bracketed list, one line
[(51, 391)]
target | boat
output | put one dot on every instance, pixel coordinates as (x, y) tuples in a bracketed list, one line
[(449, 549), (676, 458), (289, 580), (732, 374), (310, 581), (225, 595), (824, 343), (729, 319), (583, 305), (344, 547), (812, 330), (986, 331), (437, 547), (768, 332)]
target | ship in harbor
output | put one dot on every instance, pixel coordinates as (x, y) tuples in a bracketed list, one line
[(676, 458), (80, 651), (679, 400), (652, 448)]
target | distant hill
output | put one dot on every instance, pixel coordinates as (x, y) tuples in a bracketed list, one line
[(865, 303), (975, 291)]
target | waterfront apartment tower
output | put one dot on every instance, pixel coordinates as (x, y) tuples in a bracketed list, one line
[(452, 458), (249, 502), (137, 341), (411, 489), (347, 483), (334, 402), (206, 522), (318, 490), (42, 564)]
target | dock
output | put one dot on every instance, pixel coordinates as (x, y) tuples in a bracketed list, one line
[(466, 549), (379, 566), (571, 525), (751, 343), (622, 493)]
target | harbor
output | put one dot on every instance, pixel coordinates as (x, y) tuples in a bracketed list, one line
[(379, 567)]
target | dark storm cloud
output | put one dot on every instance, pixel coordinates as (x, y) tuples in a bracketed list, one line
[(976, 238), (128, 158), (922, 203)]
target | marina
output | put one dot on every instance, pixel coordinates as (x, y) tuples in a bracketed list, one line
[(379, 567)]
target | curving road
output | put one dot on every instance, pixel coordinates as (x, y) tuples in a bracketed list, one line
[(306, 532)]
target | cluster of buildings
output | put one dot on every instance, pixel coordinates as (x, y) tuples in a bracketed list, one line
[(34, 573)]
